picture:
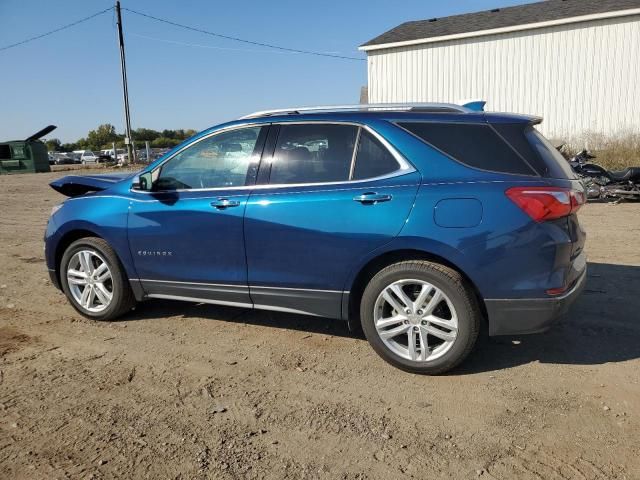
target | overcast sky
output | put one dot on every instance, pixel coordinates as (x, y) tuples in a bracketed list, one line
[(184, 79)]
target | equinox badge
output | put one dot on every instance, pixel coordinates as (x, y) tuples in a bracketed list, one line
[(155, 253)]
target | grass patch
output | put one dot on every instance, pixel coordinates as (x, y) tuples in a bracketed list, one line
[(613, 152)]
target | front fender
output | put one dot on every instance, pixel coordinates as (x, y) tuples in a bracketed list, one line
[(102, 216)]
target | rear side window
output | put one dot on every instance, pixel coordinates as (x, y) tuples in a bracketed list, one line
[(558, 167), (313, 153), (373, 159), (475, 145), (536, 149)]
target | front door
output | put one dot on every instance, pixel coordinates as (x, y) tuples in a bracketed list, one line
[(332, 193), (186, 235)]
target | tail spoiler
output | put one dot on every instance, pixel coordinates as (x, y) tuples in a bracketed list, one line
[(476, 105)]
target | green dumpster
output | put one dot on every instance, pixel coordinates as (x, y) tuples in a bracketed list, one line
[(25, 156)]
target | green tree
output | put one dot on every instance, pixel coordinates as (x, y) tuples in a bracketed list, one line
[(145, 134), (68, 147), (102, 136), (164, 142), (53, 145), (105, 135)]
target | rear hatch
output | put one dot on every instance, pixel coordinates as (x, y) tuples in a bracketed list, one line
[(557, 168), (540, 154)]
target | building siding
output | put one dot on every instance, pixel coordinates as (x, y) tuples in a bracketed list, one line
[(582, 77)]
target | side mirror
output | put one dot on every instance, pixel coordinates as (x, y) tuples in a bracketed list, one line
[(142, 182)]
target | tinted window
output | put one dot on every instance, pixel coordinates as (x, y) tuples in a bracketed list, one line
[(223, 160), (557, 165), (373, 159), (514, 134), (313, 153), (475, 145)]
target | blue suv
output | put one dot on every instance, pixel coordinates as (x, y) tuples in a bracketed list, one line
[(424, 223)]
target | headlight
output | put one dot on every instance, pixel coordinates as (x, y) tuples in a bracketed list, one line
[(55, 208)]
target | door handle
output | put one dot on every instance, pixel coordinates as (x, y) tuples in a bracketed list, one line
[(371, 198), (223, 203)]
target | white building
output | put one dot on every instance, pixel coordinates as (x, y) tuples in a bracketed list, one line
[(574, 62)]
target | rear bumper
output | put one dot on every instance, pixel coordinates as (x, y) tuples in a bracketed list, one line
[(531, 315)]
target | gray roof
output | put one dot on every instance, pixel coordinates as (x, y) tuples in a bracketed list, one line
[(499, 18)]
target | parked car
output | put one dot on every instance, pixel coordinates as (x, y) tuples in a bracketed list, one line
[(63, 159), (87, 156), (424, 224), (104, 158)]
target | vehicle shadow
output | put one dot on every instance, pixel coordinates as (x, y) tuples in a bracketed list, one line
[(603, 325)]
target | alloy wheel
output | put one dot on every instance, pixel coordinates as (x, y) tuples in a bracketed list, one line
[(90, 281), (415, 320)]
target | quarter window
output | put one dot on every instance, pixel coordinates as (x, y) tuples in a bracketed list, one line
[(475, 145), (373, 159), (223, 160), (313, 153)]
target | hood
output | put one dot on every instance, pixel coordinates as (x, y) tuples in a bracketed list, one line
[(76, 185)]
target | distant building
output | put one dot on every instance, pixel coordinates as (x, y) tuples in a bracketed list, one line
[(574, 62)]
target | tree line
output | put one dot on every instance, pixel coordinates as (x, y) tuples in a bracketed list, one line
[(104, 136)]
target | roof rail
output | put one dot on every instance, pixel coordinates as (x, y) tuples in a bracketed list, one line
[(365, 107)]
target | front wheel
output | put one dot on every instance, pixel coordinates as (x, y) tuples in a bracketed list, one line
[(94, 281), (421, 317)]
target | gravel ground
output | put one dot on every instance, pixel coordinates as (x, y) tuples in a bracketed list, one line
[(178, 390)]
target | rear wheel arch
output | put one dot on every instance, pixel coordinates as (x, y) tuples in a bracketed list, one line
[(376, 264)]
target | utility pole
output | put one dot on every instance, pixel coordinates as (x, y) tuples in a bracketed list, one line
[(125, 91)]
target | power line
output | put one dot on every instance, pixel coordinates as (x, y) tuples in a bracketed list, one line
[(213, 47), (236, 39), (56, 30)]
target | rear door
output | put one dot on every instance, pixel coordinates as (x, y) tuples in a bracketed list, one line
[(328, 195)]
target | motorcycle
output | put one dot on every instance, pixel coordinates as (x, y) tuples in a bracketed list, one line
[(601, 183)]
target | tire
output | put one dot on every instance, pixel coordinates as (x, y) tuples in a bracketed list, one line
[(455, 309), (121, 300)]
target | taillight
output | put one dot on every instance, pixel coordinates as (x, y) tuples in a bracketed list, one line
[(546, 203)]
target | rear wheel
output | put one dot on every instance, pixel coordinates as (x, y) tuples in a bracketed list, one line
[(94, 281), (420, 316)]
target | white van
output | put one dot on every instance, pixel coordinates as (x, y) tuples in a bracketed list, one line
[(87, 156), (119, 151)]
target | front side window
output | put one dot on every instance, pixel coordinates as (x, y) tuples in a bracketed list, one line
[(219, 161), (313, 153)]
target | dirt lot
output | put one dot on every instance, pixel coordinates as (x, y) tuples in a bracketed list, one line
[(193, 391)]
